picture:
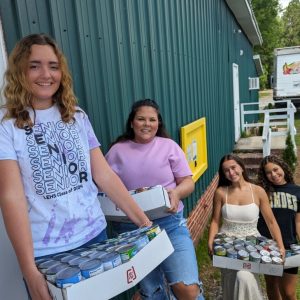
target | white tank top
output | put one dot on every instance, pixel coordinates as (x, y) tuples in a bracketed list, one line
[(240, 213), (240, 220)]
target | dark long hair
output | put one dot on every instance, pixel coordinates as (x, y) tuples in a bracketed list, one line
[(262, 177), (223, 181), (129, 133)]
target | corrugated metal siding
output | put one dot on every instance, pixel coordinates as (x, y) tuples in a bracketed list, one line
[(177, 52)]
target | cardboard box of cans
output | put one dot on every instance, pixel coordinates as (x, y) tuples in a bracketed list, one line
[(292, 257), (292, 261), (154, 201), (121, 274), (254, 254), (236, 264)]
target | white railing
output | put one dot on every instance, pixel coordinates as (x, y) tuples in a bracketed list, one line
[(266, 135), (273, 117)]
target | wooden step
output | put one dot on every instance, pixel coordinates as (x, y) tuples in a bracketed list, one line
[(251, 158)]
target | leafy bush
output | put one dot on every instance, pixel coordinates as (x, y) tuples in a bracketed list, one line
[(289, 155), (270, 106), (245, 134), (263, 80)]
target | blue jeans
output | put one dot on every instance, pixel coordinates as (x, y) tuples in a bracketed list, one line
[(180, 266)]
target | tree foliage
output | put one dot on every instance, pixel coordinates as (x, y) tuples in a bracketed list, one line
[(279, 28), (291, 24), (289, 155), (270, 25)]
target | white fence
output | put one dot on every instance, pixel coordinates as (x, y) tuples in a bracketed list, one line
[(276, 122)]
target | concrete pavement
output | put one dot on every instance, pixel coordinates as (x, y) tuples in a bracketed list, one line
[(255, 143)]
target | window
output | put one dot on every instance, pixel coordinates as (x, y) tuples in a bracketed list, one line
[(253, 83)]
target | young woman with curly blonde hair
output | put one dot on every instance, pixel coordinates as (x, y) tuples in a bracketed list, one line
[(52, 163), (17, 91)]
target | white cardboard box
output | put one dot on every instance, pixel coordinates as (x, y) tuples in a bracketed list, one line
[(292, 261), (237, 264), (115, 281), (154, 202)]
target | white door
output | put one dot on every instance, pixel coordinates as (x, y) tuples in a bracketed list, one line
[(236, 102)]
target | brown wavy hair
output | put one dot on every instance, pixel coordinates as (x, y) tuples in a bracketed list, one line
[(262, 177), (223, 181), (16, 89)]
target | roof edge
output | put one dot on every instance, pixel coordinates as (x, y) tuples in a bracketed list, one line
[(244, 14)]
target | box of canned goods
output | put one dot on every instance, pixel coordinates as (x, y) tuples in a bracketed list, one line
[(254, 254), (255, 267), (292, 257), (154, 201), (107, 269)]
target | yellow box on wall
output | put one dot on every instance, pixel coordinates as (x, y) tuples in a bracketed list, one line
[(193, 143)]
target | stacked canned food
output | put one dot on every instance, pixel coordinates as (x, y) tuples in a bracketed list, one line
[(294, 250), (251, 248), (65, 269)]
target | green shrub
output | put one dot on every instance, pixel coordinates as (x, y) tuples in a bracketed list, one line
[(289, 155), (244, 134), (263, 80)]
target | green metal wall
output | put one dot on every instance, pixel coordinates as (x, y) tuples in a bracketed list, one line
[(177, 52)]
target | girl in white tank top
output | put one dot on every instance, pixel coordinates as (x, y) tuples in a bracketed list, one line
[(236, 205)]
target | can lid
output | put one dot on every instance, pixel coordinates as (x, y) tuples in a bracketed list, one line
[(255, 255), (90, 264), (55, 269), (48, 263), (295, 247), (78, 250), (110, 256), (68, 258), (261, 238), (277, 260), (77, 261), (59, 256), (238, 242), (97, 254), (227, 246), (266, 259), (125, 248), (264, 253), (243, 253), (250, 248), (232, 251), (273, 248), (259, 247), (39, 261), (67, 273)]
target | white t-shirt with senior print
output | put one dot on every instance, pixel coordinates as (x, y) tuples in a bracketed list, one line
[(54, 160)]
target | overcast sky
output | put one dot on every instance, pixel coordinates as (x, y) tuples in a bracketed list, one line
[(284, 3)]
